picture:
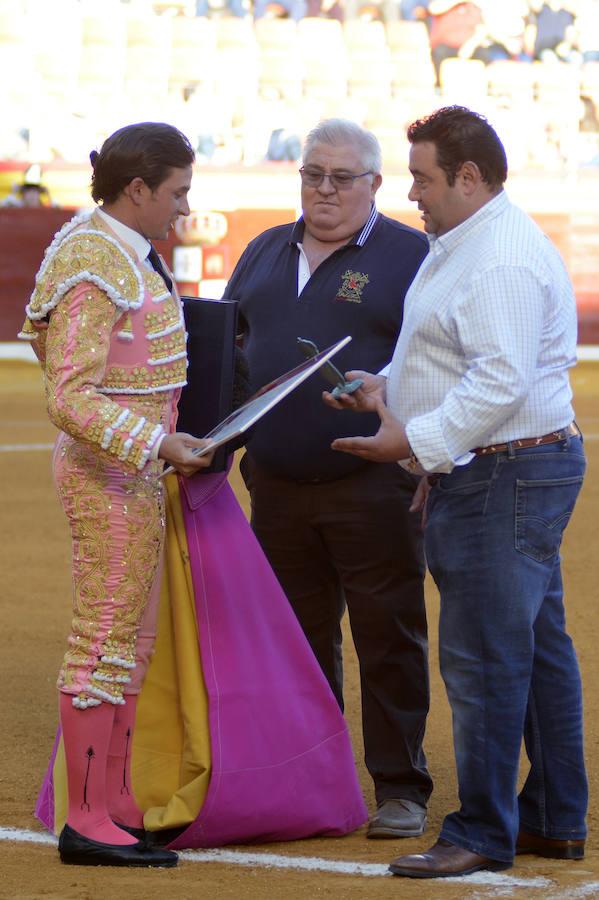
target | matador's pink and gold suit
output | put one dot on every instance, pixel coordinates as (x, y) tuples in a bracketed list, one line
[(238, 736), (114, 362)]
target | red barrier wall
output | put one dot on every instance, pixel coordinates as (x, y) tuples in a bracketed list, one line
[(25, 233)]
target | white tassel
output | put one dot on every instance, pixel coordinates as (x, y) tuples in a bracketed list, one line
[(107, 438), (117, 661), (122, 418), (80, 703), (149, 390), (135, 431), (167, 359), (104, 695), (165, 332)]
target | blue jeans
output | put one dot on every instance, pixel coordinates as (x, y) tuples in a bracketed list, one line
[(492, 544)]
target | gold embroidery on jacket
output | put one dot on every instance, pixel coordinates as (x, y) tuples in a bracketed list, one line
[(87, 257), (95, 499), (78, 336), (141, 378), (162, 318), (168, 347)]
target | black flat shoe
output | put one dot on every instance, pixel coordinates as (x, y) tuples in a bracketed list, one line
[(139, 833), (162, 838), (77, 850)]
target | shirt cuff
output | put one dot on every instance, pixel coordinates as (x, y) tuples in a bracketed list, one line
[(428, 443), (156, 448)]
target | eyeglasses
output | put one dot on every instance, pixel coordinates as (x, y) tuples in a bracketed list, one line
[(341, 181)]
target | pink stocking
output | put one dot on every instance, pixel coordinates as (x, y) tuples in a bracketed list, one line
[(86, 736), (121, 801)]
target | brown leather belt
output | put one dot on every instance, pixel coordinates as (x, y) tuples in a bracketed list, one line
[(552, 438)]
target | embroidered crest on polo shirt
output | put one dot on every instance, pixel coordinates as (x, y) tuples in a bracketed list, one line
[(352, 286)]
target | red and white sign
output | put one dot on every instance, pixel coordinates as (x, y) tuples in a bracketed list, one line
[(201, 228)]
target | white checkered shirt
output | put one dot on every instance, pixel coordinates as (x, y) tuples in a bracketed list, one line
[(488, 336)]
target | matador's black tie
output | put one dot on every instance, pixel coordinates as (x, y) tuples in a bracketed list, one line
[(158, 267)]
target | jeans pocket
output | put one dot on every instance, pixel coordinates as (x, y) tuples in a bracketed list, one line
[(543, 509), (464, 480)]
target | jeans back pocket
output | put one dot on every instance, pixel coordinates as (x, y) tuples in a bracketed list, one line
[(543, 509)]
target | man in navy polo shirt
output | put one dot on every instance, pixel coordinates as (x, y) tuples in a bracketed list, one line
[(337, 530)]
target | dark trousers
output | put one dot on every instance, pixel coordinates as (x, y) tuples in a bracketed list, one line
[(352, 541)]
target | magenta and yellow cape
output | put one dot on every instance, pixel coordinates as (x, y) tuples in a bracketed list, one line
[(238, 736)]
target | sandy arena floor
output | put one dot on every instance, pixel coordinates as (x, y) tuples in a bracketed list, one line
[(35, 613)]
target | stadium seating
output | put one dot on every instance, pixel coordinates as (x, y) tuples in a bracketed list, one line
[(324, 54), (18, 78), (103, 53), (57, 61), (510, 84), (464, 81), (148, 45), (194, 53), (280, 63), (95, 65)]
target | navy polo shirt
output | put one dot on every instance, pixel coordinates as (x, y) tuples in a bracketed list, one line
[(358, 290)]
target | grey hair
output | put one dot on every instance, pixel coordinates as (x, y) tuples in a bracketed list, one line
[(344, 131)]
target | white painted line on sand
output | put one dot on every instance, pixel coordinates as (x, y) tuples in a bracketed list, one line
[(316, 864), (304, 863), (590, 889), (24, 448), (278, 861), (312, 864), (30, 837), (17, 350)]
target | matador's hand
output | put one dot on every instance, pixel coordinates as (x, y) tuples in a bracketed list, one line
[(177, 448)]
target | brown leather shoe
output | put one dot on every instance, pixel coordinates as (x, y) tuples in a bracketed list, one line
[(444, 860), (552, 848)]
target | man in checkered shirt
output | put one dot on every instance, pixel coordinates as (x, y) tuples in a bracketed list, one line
[(478, 399)]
